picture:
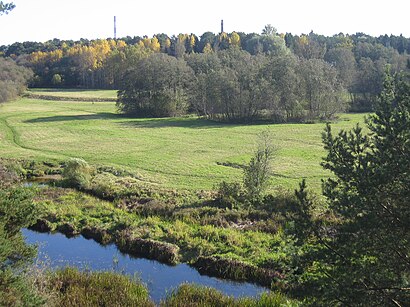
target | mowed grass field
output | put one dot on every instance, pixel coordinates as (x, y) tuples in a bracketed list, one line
[(174, 153), (76, 93)]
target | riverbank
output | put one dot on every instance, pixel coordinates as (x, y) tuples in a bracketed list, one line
[(59, 251), (167, 238)]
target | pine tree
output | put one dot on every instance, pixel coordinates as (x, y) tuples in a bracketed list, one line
[(366, 253)]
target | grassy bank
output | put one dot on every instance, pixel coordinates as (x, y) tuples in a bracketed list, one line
[(172, 153), (191, 295), (70, 287), (188, 234), (198, 233)]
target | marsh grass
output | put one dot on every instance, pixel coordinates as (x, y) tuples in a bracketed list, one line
[(71, 287), (75, 212), (188, 295)]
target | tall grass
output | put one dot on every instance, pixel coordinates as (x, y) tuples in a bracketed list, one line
[(188, 295), (75, 288)]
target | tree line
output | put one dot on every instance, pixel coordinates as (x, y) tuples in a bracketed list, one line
[(284, 76), (13, 79), (251, 42), (232, 85)]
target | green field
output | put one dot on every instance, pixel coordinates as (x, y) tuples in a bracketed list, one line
[(76, 93), (174, 153)]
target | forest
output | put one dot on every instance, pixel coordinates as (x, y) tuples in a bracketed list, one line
[(226, 76)]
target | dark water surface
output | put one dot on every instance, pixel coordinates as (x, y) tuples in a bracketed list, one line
[(159, 278)]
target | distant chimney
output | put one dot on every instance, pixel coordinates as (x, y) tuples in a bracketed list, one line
[(115, 27), (222, 26)]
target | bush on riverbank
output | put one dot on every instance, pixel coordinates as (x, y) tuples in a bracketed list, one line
[(71, 287), (193, 295), (16, 211), (77, 173)]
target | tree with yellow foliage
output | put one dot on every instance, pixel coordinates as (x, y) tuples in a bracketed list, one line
[(191, 43), (235, 39), (167, 45), (208, 48), (155, 45)]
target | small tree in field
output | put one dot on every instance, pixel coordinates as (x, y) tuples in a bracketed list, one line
[(255, 177), (256, 174)]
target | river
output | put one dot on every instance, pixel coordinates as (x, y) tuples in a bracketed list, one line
[(59, 251)]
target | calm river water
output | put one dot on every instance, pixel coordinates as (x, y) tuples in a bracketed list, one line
[(160, 279)]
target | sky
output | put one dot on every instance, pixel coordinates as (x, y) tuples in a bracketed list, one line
[(42, 20)]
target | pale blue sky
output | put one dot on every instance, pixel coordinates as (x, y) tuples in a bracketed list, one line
[(41, 20)]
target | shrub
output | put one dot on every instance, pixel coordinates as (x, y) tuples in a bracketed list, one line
[(193, 295), (56, 80), (78, 173), (7, 176), (16, 211), (256, 174), (230, 194)]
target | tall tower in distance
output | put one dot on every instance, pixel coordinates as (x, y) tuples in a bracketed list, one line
[(222, 26), (115, 27)]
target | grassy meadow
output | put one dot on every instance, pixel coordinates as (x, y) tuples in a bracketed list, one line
[(76, 93), (174, 153)]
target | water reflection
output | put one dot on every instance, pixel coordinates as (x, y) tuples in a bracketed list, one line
[(159, 278)]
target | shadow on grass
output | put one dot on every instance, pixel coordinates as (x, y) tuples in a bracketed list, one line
[(190, 122), (64, 118), (184, 122)]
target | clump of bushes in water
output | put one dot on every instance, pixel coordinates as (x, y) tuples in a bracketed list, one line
[(100, 235), (193, 295), (160, 251), (197, 229), (75, 288), (238, 270)]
